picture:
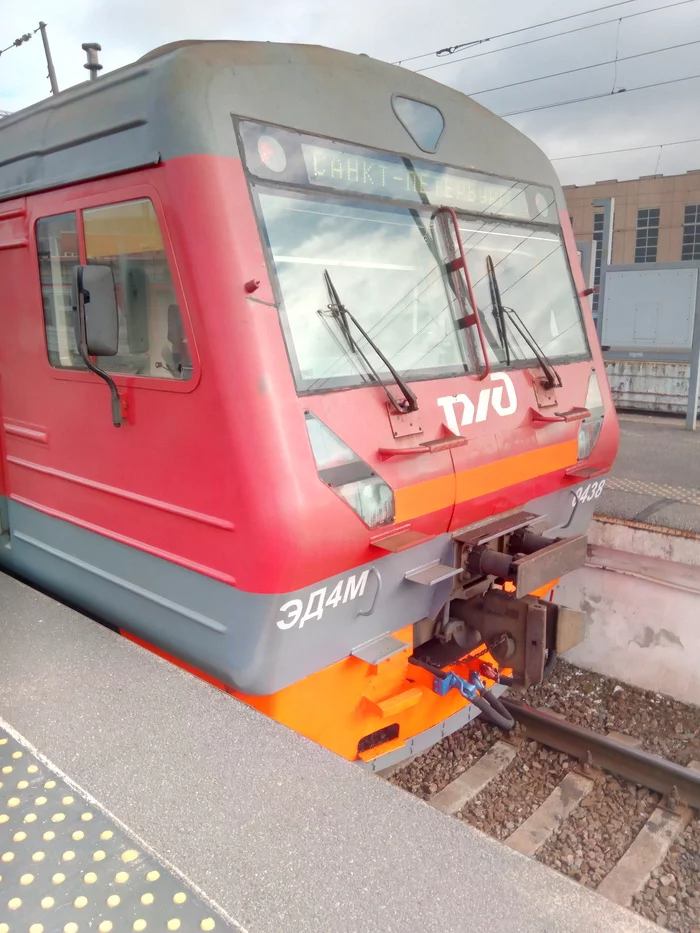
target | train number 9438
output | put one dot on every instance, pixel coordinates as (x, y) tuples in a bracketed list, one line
[(591, 491)]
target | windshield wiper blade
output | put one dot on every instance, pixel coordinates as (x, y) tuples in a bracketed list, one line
[(498, 309), (552, 377), (343, 318)]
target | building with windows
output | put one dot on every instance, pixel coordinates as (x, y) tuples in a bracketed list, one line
[(657, 218)]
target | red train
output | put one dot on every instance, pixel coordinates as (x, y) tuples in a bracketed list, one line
[(298, 384)]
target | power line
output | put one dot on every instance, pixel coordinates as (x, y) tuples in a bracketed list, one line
[(571, 71), (587, 155), (451, 49), (20, 41), (554, 35), (578, 100)]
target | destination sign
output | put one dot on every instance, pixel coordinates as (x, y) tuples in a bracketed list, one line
[(435, 185), (283, 155)]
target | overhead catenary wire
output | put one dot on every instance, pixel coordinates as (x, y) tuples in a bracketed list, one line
[(570, 71), (578, 100), (588, 155), (451, 49), (554, 35)]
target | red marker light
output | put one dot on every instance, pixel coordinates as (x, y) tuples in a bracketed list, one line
[(272, 154)]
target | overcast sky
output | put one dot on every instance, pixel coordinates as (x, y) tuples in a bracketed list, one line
[(398, 29)]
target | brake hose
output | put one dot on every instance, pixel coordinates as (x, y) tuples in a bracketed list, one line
[(493, 711)]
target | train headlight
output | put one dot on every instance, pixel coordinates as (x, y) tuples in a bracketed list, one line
[(353, 480), (589, 430)]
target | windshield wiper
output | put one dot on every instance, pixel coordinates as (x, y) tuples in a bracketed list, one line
[(552, 377), (343, 318), (498, 309)]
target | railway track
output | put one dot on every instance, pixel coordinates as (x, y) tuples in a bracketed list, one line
[(599, 809)]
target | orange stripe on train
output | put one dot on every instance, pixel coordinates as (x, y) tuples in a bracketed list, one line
[(422, 498)]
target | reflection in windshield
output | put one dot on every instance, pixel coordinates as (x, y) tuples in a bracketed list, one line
[(387, 268), (533, 279), (387, 275)]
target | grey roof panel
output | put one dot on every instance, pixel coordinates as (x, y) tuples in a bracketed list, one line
[(178, 100)]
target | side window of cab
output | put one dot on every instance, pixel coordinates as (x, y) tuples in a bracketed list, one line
[(127, 238)]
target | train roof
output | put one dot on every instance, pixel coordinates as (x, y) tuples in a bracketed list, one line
[(178, 100)]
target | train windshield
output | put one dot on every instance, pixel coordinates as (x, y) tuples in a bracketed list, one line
[(389, 262)]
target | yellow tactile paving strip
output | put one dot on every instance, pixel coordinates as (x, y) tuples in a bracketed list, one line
[(658, 490), (65, 867)]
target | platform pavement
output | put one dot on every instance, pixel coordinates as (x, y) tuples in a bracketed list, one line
[(279, 833), (656, 477)]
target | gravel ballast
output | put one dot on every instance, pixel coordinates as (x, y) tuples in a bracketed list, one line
[(599, 831)]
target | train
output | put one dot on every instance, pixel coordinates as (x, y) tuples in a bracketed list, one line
[(299, 384)]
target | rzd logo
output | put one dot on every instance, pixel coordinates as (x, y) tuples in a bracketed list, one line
[(491, 397)]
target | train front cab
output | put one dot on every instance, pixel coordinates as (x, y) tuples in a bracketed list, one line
[(332, 481)]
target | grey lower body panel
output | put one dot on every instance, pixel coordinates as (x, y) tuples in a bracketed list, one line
[(257, 643)]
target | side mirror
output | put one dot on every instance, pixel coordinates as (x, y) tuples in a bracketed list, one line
[(95, 301)]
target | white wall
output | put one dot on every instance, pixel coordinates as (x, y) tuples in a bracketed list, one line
[(641, 591)]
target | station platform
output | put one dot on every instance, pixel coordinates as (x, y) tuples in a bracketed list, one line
[(656, 477), (131, 779)]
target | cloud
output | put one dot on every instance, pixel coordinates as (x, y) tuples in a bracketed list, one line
[(398, 29)]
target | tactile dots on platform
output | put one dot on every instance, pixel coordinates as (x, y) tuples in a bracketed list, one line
[(82, 894), (16, 754)]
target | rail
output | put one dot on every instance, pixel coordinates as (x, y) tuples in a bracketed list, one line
[(633, 764)]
